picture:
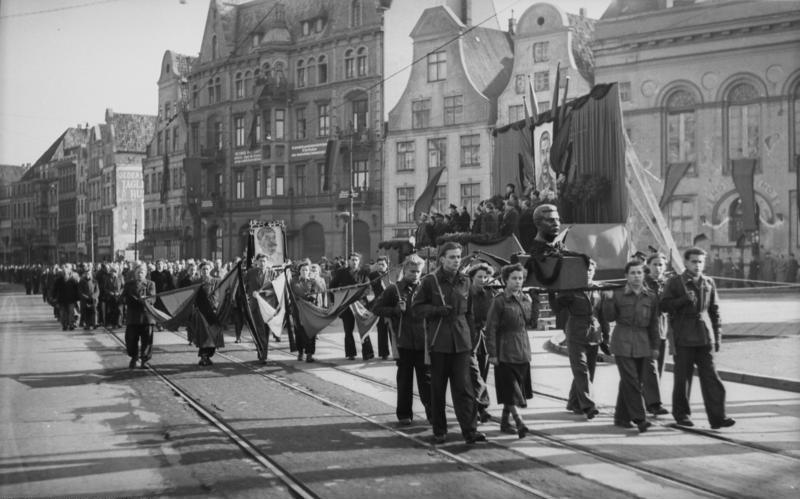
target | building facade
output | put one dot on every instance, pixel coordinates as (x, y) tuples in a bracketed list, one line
[(9, 176), (445, 116), (274, 83), (165, 206), (704, 84)]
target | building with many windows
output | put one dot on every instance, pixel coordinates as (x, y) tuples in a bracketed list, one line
[(446, 114), (274, 83), (702, 85), (165, 206), (9, 175)]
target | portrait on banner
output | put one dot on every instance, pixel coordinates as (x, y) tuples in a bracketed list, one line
[(544, 173), (268, 238)]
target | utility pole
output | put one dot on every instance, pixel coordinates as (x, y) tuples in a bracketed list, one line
[(91, 235), (135, 237), (351, 195)]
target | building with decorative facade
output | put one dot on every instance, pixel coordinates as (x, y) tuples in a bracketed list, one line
[(9, 175), (163, 177), (446, 114), (704, 85), (275, 81)]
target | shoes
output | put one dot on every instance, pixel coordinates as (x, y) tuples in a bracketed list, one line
[(404, 422), (300, 356), (384, 357), (522, 430), (310, 358), (369, 357), (623, 424), (484, 416), (643, 425), (685, 422), (507, 428), (591, 413), (237, 340), (658, 410), (725, 423), (475, 437), (351, 357), (439, 439), (143, 365), (132, 364), (205, 361)]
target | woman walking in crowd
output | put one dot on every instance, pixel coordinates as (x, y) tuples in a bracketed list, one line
[(634, 342), (138, 328), (509, 350)]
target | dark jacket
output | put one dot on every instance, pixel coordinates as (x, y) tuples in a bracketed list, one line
[(693, 323), (585, 322), (65, 290), (408, 326), (133, 294), (481, 302), (510, 223), (89, 291), (448, 331), (636, 330), (163, 280), (510, 315), (657, 287)]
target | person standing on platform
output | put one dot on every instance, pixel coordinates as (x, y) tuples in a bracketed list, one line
[(379, 279), (481, 298), (655, 280), (510, 315), (139, 325), (691, 301), (443, 300), (585, 331), (350, 276), (305, 288), (634, 342), (395, 304)]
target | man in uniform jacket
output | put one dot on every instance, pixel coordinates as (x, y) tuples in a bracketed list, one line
[(66, 296), (379, 279), (162, 277), (112, 289), (305, 288), (138, 325), (691, 301), (257, 281), (89, 292), (409, 333), (208, 335), (443, 299), (349, 276)]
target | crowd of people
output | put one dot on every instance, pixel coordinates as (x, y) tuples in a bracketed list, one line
[(452, 325)]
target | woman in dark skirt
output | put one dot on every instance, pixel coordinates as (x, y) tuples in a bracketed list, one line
[(510, 314)]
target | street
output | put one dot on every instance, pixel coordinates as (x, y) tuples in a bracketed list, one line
[(77, 422)]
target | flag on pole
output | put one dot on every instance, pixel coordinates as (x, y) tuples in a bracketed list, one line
[(365, 320), (165, 180), (425, 200), (314, 318), (534, 102)]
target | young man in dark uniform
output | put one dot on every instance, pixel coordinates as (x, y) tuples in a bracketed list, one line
[(349, 276), (380, 282), (139, 325)]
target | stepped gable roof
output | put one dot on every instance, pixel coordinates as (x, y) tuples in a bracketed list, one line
[(582, 37), (488, 58), (131, 132), (10, 173)]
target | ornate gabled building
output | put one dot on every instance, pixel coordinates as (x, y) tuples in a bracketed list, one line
[(116, 149), (165, 206), (9, 176), (275, 81), (446, 114), (545, 37), (708, 88)]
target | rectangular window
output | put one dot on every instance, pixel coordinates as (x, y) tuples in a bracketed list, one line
[(218, 135), (453, 109), (743, 131), (359, 114), (470, 196), (405, 205), (680, 139), (541, 81), (519, 84), (324, 121), (420, 113), (680, 218), (301, 76), (280, 124), (238, 131), (541, 52), (437, 153), (280, 181), (239, 181), (175, 139), (158, 143), (300, 123), (146, 184), (322, 71), (625, 91), (440, 199), (238, 87), (437, 66), (405, 156), (268, 184), (516, 113), (195, 131), (257, 182), (321, 181), (470, 150), (360, 175), (300, 180)]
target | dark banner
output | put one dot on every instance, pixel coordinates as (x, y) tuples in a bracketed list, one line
[(675, 173), (743, 175)]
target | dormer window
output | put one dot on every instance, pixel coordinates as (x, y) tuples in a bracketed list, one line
[(306, 27), (256, 40), (319, 24)]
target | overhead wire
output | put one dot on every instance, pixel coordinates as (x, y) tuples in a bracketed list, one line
[(56, 9)]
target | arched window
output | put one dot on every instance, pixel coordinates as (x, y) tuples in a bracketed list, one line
[(301, 74), (211, 98), (195, 96), (349, 64), (355, 13), (218, 88), (361, 61), (744, 124), (322, 70), (248, 83), (681, 129), (310, 70), (238, 85), (213, 47)]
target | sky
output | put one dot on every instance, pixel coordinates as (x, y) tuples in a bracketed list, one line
[(64, 62)]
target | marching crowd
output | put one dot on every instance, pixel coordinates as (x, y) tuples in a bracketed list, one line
[(452, 325)]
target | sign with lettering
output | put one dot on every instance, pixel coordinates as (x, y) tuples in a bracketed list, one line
[(246, 156), (308, 150), (104, 241)]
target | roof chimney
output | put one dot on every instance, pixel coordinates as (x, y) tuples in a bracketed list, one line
[(512, 24), (582, 11)]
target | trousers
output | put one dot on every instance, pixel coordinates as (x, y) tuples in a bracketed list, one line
[(139, 341), (410, 363), (582, 361), (686, 358), (349, 324), (651, 384), (630, 400), (455, 369)]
